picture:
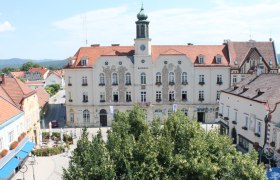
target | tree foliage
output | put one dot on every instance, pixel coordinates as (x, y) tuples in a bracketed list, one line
[(52, 89), (180, 149), (7, 70), (26, 66)]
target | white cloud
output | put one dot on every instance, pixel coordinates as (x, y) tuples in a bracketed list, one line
[(180, 25), (6, 26)]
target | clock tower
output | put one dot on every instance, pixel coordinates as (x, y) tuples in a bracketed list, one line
[(142, 41)]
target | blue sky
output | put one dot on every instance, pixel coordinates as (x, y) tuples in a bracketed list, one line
[(36, 29)]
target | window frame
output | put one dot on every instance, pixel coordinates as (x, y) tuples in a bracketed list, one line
[(143, 79)]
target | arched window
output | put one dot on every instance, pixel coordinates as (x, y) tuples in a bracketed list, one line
[(143, 78), (86, 116), (101, 79), (115, 79), (184, 78), (171, 78), (128, 79), (71, 116), (142, 31), (158, 78)]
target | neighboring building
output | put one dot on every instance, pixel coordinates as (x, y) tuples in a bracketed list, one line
[(14, 143), (251, 57), (55, 77), (43, 97), (243, 109), (36, 74), (19, 74), (35, 84), (26, 100), (101, 80)]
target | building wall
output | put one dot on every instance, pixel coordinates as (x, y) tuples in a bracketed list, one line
[(15, 125), (31, 117), (135, 66), (53, 79), (255, 111)]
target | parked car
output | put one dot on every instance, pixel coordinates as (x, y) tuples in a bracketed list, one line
[(54, 123)]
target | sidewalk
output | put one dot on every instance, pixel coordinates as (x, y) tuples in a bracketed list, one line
[(50, 167)]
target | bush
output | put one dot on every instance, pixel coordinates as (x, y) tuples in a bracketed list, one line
[(3, 153), (21, 136), (48, 151), (13, 145)]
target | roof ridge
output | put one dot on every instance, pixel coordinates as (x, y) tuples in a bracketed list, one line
[(7, 94), (10, 102)]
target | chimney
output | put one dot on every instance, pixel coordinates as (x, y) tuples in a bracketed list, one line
[(95, 45), (115, 44), (2, 78), (190, 44)]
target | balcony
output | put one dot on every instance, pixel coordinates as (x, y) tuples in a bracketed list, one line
[(115, 84), (69, 84), (101, 84), (158, 100), (70, 100), (201, 99), (257, 134), (219, 82), (201, 83), (234, 122), (185, 83), (158, 83), (245, 128), (226, 118), (171, 83), (128, 84), (102, 100), (84, 84), (221, 115)]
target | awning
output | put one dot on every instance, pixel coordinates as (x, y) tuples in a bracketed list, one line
[(21, 155), (273, 173), (28, 147), (6, 170)]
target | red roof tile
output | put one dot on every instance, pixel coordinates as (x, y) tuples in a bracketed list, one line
[(191, 51), (41, 70), (239, 50), (18, 74), (16, 90), (8, 110), (43, 96)]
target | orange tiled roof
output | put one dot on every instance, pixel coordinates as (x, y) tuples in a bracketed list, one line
[(191, 51), (41, 70), (59, 73), (43, 96), (239, 50), (8, 110), (16, 90), (18, 74), (34, 82), (5, 95)]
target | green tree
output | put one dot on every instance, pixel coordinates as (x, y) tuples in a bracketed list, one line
[(26, 66), (179, 149), (7, 70)]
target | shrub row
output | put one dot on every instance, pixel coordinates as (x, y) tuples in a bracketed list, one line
[(48, 151)]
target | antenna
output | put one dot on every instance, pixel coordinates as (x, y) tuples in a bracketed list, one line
[(85, 28)]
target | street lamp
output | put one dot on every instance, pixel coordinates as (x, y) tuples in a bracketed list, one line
[(32, 164), (23, 170)]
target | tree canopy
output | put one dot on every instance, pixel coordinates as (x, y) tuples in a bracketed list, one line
[(178, 149), (26, 66)]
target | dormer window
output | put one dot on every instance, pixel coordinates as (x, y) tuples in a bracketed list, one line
[(84, 61), (201, 59), (218, 59)]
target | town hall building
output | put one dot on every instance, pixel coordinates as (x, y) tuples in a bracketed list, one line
[(102, 80)]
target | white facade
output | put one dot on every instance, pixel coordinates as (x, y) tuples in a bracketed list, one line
[(242, 114), (54, 79)]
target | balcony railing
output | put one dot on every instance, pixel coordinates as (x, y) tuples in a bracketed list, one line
[(219, 82), (201, 83), (69, 84), (257, 134), (158, 100), (234, 122), (84, 84), (114, 84), (158, 83), (172, 83), (70, 100), (85, 100), (245, 128), (102, 100), (201, 99), (101, 84), (128, 83), (184, 83), (226, 118)]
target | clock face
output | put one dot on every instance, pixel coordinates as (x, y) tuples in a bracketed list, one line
[(142, 47)]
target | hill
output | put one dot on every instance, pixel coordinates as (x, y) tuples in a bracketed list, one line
[(17, 62)]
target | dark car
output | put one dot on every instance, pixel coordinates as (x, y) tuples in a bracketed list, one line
[(54, 123)]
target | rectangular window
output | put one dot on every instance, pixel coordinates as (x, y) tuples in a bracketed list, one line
[(128, 96), (242, 77), (201, 96), (102, 96), (1, 144), (201, 78), (219, 79), (158, 96), (85, 97), (246, 121), (234, 79), (235, 116), (243, 143), (184, 96), (258, 127), (115, 96), (11, 136), (69, 81), (84, 62), (228, 112), (171, 96), (84, 80), (143, 96), (218, 95), (200, 60)]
